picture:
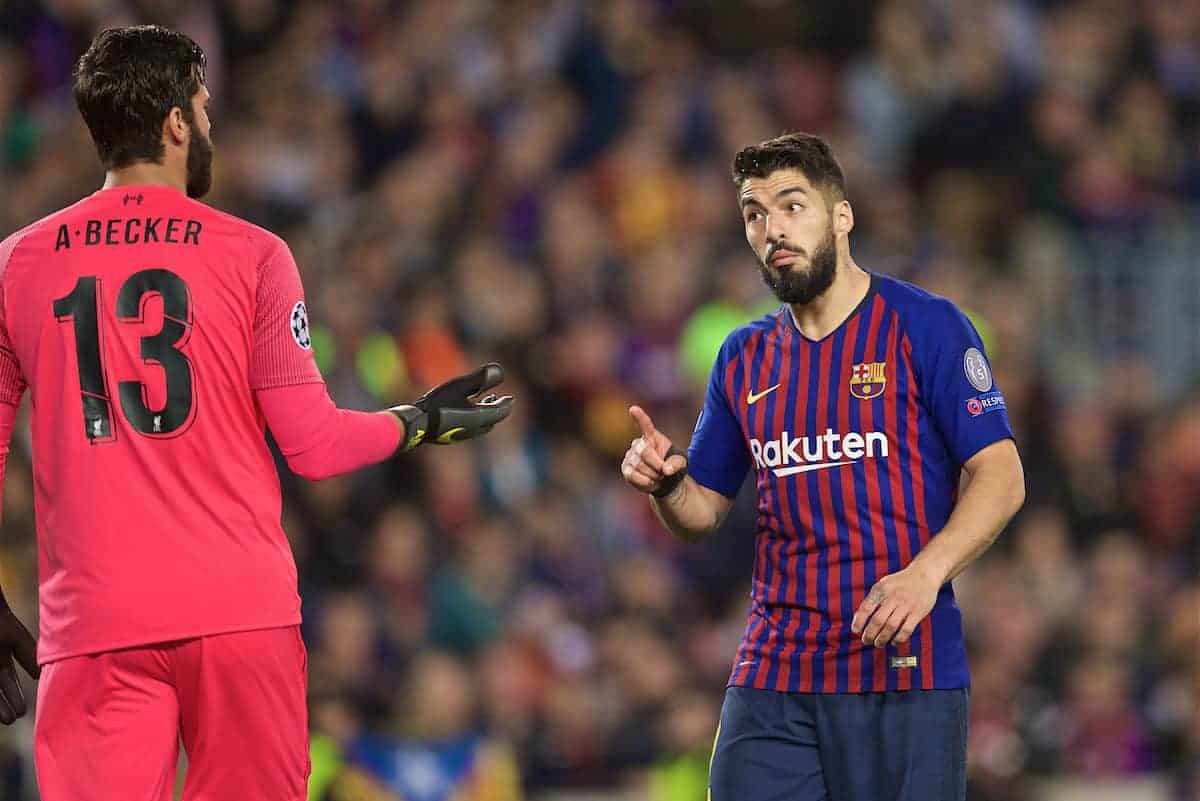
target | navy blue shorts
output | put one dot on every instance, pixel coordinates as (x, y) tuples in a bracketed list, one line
[(893, 746)]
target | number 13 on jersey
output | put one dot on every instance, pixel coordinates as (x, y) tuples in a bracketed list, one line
[(162, 349)]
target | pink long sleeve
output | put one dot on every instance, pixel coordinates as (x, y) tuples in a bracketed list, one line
[(8, 418), (320, 440)]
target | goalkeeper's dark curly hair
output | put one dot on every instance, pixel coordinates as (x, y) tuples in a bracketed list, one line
[(127, 83)]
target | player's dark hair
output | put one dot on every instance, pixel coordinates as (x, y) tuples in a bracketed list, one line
[(128, 81), (801, 151)]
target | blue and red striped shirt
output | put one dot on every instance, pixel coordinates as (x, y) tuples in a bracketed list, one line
[(856, 442)]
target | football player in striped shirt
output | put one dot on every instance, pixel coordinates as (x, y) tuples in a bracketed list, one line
[(885, 464)]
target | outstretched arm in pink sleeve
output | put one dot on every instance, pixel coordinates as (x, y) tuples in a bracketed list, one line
[(320, 440)]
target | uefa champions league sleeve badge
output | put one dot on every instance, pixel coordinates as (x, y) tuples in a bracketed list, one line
[(300, 331)]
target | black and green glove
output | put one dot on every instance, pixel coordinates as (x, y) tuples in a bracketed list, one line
[(446, 414)]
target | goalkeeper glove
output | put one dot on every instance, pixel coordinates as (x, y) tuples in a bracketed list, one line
[(16, 645), (446, 414)]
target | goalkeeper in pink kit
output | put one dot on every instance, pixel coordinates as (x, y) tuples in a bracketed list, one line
[(158, 339)]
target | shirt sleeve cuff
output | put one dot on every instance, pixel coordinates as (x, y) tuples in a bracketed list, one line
[(727, 485)]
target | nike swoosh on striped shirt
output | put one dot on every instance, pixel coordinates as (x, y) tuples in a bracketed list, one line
[(754, 397)]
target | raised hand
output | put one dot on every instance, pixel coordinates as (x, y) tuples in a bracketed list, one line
[(449, 413), (652, 464)]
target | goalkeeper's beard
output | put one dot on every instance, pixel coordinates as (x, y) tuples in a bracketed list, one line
[(795, 285), (199, 164)]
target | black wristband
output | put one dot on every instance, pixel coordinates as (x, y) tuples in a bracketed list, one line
[(416, 425), (668, 484)]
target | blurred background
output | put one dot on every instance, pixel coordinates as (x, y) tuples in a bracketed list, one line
[(547, 184)]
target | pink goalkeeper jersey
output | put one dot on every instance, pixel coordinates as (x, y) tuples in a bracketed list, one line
[(142, 322)]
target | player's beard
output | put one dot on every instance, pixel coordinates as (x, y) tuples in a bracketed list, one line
[(199, 164), (801, 286)]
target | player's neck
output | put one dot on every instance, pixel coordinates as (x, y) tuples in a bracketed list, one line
[(819, 318), (145, 174)]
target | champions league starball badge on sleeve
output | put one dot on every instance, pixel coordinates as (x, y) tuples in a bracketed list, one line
[(300, 331)]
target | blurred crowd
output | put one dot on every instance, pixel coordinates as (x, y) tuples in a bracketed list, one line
[(546, 183)]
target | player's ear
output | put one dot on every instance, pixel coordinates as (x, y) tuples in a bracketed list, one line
[(843, 218), (175, 127)]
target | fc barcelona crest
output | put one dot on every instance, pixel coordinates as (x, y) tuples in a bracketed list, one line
[(867, 380)]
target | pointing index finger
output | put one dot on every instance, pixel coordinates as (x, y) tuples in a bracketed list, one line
[(644, 422)]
